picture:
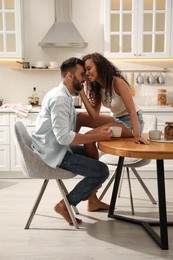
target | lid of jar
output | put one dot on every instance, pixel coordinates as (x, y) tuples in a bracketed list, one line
[(162, 90), (170, 123)]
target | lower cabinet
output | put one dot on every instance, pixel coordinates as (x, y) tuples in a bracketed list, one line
[(4, 142), (29, 122), (9, 159)]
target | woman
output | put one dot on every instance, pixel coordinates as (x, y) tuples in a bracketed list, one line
[(106, 86)]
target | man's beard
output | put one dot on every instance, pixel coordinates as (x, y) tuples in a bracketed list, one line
[(77, 85)]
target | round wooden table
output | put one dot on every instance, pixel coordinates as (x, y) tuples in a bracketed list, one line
[(125, 147)]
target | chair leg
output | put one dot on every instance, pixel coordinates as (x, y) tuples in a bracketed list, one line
[(66, 192), (121, 183), (37, 202), (63, 192), (107, 186), (144, 186), (130, 190)]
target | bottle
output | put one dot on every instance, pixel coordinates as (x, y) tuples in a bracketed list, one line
[(35, 98), (162, 97)]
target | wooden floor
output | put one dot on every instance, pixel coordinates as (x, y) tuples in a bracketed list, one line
[(99, 238)]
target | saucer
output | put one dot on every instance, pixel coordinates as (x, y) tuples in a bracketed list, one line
[(162, 140), (43, 67)]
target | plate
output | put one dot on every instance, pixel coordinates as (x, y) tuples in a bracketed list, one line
[(44, 67), (162, 140)]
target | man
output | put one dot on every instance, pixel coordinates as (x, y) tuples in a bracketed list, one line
[(58, 145)]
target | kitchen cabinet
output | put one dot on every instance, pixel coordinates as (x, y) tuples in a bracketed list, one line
[(4, 142), (29, 122), (10, 29), (137, 29)]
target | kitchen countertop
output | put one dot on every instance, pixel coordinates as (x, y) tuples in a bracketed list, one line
[(103, 109)]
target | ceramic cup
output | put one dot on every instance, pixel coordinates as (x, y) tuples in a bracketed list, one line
[(140, 79), (116, 131), (161, 79), (151, 79), (53, 65), (40, 64), (155, 134)]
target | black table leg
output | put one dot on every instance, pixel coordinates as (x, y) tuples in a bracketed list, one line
[(116, 186), (161, 240), (162, 205)]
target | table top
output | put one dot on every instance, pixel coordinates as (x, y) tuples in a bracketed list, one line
[(126, 147)]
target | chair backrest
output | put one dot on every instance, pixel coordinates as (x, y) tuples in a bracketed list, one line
[(31, 163), (150, 123)]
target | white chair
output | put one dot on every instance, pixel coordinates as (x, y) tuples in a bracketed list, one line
[(131, 163), (33, 167)]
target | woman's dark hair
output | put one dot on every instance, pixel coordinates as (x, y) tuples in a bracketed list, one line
[(106, 71), (70, 65)]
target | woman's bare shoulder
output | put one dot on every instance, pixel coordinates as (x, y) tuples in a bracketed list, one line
[(119, 81)]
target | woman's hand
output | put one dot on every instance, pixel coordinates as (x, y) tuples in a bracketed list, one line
[(140, 140)]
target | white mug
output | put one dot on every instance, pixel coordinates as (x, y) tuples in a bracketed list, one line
[(161, 79), (54, 64), (155, 134), (140, 79), (40, 64), (151, 79), (116, 131)]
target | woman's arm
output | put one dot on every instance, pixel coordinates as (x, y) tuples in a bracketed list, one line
[(122, 89), (93, 112)]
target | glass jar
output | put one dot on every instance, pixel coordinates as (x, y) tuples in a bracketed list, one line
[(168, 131), (162, 97)]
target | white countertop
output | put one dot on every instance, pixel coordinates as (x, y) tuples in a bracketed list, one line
[(103, 109)]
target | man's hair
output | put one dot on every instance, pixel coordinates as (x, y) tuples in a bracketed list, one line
[(70, 65)]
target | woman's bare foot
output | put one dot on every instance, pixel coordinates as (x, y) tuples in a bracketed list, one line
[(94, 204), (61, 209)]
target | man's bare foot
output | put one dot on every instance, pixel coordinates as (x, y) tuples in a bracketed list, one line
[(61, 209), (94, 204)]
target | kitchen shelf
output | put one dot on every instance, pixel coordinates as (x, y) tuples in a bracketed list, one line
[(31, 69), (164, 70)]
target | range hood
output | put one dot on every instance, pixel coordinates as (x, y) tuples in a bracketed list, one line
[(63, 33)]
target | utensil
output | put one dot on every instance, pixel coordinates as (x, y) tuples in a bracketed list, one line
[(26, 64)]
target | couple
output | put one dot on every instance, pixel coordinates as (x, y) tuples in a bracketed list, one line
[(57, 139)]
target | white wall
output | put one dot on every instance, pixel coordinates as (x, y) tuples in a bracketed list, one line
[(38, 16)]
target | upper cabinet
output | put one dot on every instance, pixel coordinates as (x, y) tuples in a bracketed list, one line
[(137, 29), (10, 29)]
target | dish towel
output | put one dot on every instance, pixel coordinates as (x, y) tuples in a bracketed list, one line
[(21, 110)]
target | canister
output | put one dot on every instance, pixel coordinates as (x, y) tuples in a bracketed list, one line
[(162, 97)]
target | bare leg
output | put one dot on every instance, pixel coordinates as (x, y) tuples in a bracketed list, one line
[(61, 209), (91, 151), (83, 119)]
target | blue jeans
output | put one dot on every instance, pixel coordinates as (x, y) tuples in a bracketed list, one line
[(93, 171)]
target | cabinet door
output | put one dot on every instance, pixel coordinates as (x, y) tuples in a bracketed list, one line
[(119, 30), (10, 29), (4, 158), (137, 29), (15, 164), (154, 28), (29, 122)]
